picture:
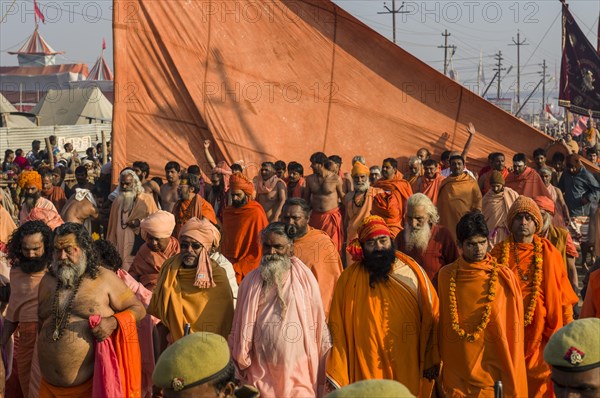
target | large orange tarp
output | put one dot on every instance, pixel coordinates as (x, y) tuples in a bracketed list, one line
[(278, 79)]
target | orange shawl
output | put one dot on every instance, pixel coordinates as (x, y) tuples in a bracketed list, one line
[(7, 225), (195, 207), (554, 309), (471, 368), (365, 323), (241, 236), (147, 264), (591, 303), (318, 252), (57, 196), (390, 205), (429, 188), (457, 196), (528, 183), (127, 348)]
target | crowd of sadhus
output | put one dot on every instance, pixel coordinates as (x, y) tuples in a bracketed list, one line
[(447, 280)]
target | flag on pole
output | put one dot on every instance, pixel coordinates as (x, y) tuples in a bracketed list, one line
[(103, 43), (581, 126), (38, 12)]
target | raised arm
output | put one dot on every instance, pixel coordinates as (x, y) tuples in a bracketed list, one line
[(209, 158), (471, 131)]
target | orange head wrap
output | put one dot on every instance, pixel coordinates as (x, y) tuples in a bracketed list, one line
[(523, 204), (497, 178), (545, 203), (159, 225), (205, 233), (241, 183), (30, 178), (360, 169), (369, 228)]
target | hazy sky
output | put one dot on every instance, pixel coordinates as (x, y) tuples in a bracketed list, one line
[(77, 27)]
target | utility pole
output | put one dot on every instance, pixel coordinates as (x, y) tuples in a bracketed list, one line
[(499, 70), (519, 43), (544, 75), (393, 11), (446, 47)]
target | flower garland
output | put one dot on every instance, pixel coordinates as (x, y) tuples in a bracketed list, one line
[(537, 272), (487, 309)]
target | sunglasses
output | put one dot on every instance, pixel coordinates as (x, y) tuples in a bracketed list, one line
[(186, 245)]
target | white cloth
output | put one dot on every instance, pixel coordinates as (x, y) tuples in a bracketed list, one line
[(82, 193), (228, 267)]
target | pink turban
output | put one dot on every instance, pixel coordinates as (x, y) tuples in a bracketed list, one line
[(159, 224), (205, 233), (48, 216), (223, 169)]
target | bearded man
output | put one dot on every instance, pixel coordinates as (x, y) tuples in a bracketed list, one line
[(370, 340), (525, 180), (270, 191), (495, 205), (54, 194), (415, 170), (130, 207), (548, 298), (81, 303), (30, 253), (429, 183), (191, 204), (284, 294), (314, 248), (429, 244), (242, 223), (358, 203), (30, 183), (216, 195), (192, 288)]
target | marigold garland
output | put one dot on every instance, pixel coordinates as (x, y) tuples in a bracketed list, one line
[(487, 309), (537, 272)]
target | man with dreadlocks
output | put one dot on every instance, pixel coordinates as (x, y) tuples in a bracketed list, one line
[(80, 304), (383, 315)]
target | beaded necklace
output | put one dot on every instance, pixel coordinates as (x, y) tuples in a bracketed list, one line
[(62, 320)]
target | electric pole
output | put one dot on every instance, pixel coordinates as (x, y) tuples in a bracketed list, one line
[(544, 75), (446, 47), (499, 70), (519, 43), (393, 11)]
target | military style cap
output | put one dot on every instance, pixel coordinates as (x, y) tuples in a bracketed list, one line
[(192, 360), (372, 388), (575, 347)]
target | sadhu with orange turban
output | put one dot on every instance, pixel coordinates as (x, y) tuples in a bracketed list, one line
[(30, 178), (361, 326), (548, 298)]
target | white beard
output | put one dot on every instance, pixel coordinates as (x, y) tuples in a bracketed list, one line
[(128, 200), (272, 269), (67, 272), (417, 238)]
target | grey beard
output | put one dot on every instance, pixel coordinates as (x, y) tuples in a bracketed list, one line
[(547, 223), (361, 188), (128, 200), (417, 238), (67, 272), (30, 202), (272, 269)]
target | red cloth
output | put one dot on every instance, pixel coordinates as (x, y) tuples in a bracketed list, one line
[(390, 205), (528, 183), (440, 251), (331, 223)]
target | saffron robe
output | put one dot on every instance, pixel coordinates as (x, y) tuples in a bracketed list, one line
[(457, 196), (429, 188), (146, 264)]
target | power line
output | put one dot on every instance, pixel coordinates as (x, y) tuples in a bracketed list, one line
[(393, 11), (446, 47), (519, 43)]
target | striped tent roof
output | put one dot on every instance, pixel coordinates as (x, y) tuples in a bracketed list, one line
[(36, 44), (100, 70)]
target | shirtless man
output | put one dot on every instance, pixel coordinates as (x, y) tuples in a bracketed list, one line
[(168, 192), (81, 209), (270, 191), (336, 167), (75, 288), (324, 191)]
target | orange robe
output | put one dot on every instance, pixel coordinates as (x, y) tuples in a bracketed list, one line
[(41, 203), (241, 237), (529, 183), (7, 225), (457, 196), (176, 301), (331, 223), (495, 208), (147, 264), (195, 207), (553, 310), (57, 196), (384, 332), (591, 303), (129, 358), (390, 205), (484, 180), (471, 368), (429, 188), (317, 251), (84, 390)]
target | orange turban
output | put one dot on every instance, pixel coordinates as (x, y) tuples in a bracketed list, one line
[(205, 233), (159, 225), (545, 204), (48, 216), (369, 228), (360, 169), (523, 204), (241, 183), (497, 178), (30, 178)]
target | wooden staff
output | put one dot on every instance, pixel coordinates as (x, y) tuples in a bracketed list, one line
[(104, 154)]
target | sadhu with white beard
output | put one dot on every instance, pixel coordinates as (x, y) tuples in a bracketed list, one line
[(75, 295), (279, 340), (131, 206), (428, 243)]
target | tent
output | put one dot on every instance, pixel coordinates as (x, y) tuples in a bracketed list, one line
[(282, 79), (9, 116), (73, 106)]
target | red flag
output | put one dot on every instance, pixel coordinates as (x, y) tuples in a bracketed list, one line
[(580, 127), (38, 12), (103, 43)]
